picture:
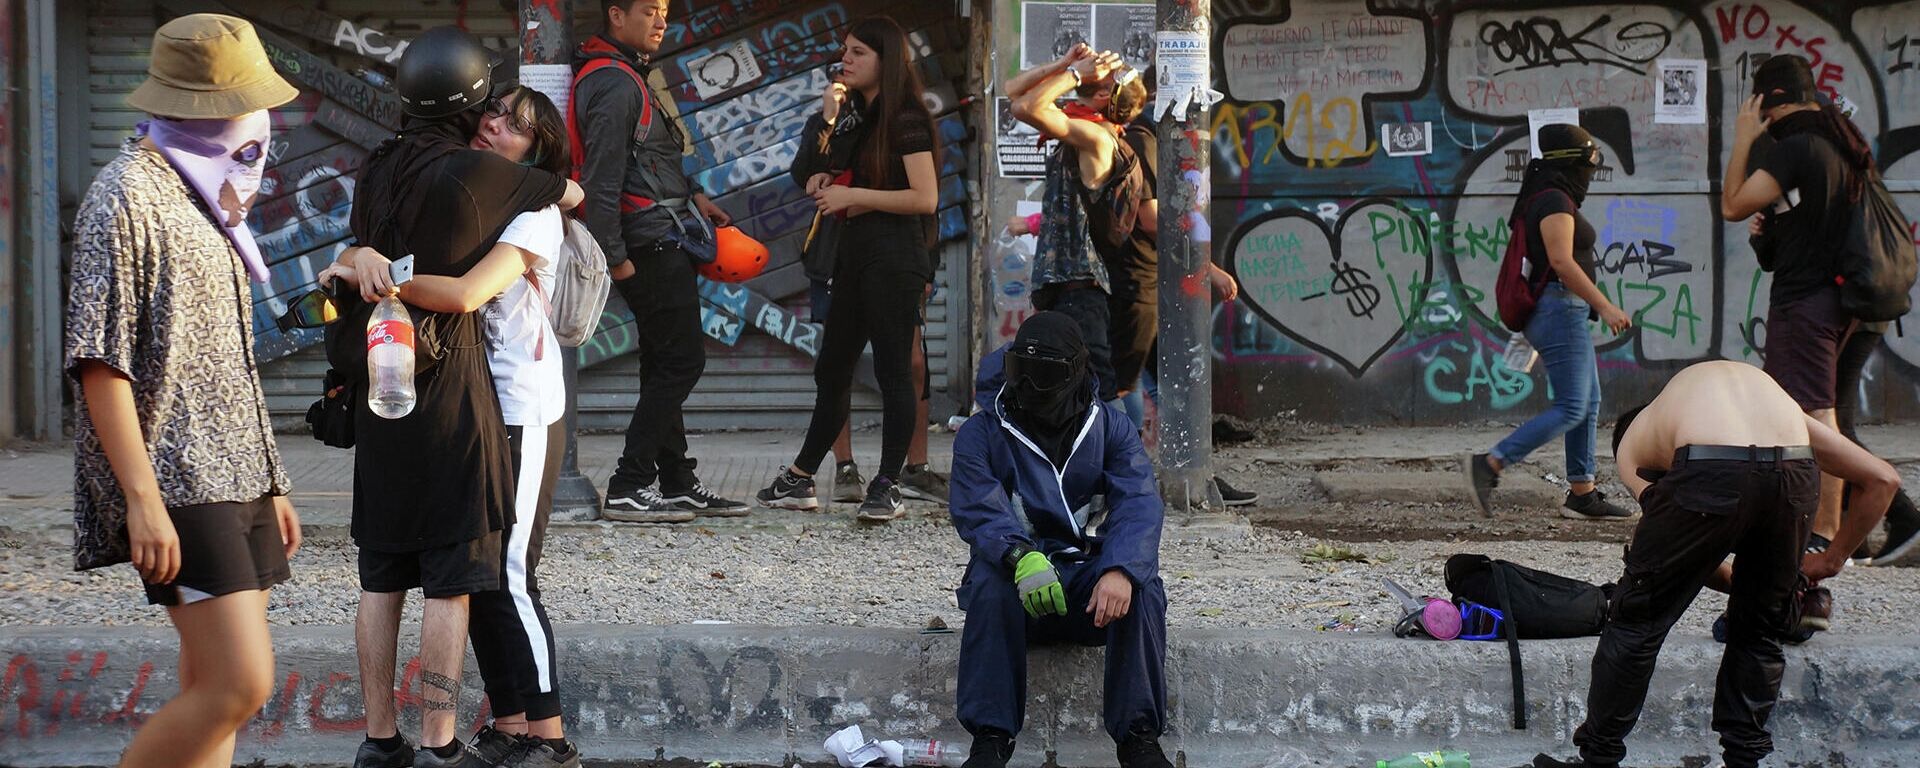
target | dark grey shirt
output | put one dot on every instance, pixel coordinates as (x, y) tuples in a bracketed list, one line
[(624, 157)]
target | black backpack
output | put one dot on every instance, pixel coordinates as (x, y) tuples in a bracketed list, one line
[(1876, 262), (1535, 604)]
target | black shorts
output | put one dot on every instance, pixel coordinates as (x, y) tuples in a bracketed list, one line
[(450, 571), (1803, 347), (225, 547)]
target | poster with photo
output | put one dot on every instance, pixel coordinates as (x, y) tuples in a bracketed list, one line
[(1049, 30), (1407, 139), (1680, 91), (1017, 145), (1126, 30)]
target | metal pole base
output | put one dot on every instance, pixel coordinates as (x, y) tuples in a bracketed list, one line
[(574, 497)]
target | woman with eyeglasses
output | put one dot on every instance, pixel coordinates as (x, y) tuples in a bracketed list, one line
[(1560, 239), (512, 638), (886, 195)]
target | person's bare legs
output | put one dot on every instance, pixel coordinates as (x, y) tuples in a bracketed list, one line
[(1826, 519), (443, 653), (376, 637), (227, 655)]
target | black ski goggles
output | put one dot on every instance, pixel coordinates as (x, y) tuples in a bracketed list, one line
[(1045, 374), (314, 309)]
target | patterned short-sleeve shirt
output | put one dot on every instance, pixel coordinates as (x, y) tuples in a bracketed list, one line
[(159, 294)]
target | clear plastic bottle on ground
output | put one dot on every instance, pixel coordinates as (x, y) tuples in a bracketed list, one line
[(390, 359), (932, 754), (1437, 759)]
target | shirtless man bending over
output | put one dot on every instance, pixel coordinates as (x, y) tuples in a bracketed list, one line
[(1722, 462)]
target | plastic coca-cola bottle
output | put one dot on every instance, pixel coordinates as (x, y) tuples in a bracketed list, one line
[(390, 359)]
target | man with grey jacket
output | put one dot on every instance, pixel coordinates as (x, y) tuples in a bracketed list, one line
[(640, 205)]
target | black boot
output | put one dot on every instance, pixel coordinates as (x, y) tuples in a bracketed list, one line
[(992, 748), (1141, 749)]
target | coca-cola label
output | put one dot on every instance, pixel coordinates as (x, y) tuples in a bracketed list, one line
[(389, 332)]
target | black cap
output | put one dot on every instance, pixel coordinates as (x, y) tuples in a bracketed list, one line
[(443, 72), (1784, 79), (1562, 142)]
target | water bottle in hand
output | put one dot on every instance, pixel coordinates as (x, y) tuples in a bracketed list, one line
[(932, 754), (390, 359)]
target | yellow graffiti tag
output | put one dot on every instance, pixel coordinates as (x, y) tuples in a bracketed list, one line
[(1337, 133)]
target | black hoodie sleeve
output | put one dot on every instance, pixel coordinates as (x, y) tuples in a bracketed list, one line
[(608, 105)]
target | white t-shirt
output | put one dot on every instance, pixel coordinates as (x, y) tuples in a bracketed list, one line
[(521, 347)]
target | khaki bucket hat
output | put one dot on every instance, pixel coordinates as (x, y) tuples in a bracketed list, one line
[(209, 66)]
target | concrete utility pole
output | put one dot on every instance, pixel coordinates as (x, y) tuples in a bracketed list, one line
[(1182, 42), (546, 40)]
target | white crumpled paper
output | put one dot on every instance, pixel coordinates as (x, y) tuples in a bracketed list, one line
[(852, 749)]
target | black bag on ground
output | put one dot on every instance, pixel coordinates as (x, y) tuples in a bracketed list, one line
[(1533, 604)]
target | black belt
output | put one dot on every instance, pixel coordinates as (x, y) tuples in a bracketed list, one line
[(1773, 453)]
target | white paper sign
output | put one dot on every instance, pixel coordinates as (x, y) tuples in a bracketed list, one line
[(1680, 91), (1049, 30), (1540, 117), (1017, 145), (1407, 139), (730, 68), (554, 80), (1183, 64)]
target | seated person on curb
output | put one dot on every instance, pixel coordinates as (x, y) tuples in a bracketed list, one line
[(1722, 462), (1026, 469)]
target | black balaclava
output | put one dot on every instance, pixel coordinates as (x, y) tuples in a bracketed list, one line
[(1783, 80), (1051, 418), (1567, 162)]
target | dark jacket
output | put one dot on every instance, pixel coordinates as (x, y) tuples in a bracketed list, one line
[(621, 157), (1005, 492)]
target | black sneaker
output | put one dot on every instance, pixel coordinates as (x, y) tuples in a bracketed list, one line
[(538, 754), (1593, 505), (918, 481), (494, 745), (788, 491), (1234, 497), (642, 505), (703, 502), (1481, 479), (1141, 749), (849, 486), (372, 756), (883, 504), (463, 757), (992, 748), (1902, 541)]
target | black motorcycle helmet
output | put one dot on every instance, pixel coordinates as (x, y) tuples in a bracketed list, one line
[(1568, 144), (443, 72)]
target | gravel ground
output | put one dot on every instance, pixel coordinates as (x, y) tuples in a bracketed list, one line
[(897, 576)]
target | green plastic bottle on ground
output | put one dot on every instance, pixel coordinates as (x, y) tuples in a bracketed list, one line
[(1442, 759)]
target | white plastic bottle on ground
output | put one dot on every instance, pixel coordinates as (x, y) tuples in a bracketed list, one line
[(932, 754), (390, 359)]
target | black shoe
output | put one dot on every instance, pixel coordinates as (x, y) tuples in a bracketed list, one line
[(1816, 612), (1234, 497), (919, 481), (641, 505), (849, 486), (463, 757), (1902, 542), (1141, 749), (537, 754), (883, 504), (1720, 629), (372, 756), (1547, 761), (788, 491), (1481, 479), (992, 748), (699, 500), (1593, 505), (493, 745)]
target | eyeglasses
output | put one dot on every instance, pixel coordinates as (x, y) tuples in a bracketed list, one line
[(498, 107), (315, 309), (1042, 373)]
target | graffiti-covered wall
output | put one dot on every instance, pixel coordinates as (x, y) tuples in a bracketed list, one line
[(1367, 155)]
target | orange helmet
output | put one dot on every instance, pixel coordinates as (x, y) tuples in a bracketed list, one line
[(738, 257)]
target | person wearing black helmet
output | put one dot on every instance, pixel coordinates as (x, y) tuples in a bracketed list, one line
[(1025, 470), (1559, 239), (432, 489)]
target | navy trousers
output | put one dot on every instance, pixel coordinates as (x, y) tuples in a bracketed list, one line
[(993, 649)]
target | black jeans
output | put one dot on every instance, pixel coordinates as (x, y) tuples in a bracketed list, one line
[(1135, 318), (882, 306), (1083, 301), (1695, 515), (665, 300)]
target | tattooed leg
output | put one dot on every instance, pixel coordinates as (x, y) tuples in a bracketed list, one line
[(443, 651)]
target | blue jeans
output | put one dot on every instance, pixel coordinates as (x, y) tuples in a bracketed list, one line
[(1558, 331)]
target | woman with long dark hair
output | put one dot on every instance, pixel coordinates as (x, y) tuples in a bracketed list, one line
[(1560, 239), (875, 117)]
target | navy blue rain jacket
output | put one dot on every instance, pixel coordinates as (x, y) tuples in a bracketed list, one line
[(1005, 492)]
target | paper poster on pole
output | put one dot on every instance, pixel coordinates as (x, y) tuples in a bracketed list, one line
[(1680, 91), (554, 80), (1050, 30), (1126, 30), (1407, 139), (729, 68), (1539, 117), (1183, 67), (1017, 145)]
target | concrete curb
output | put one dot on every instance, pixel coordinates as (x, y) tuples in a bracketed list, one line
[(765, 695)]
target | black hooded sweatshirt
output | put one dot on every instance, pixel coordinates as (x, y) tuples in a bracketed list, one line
[(1051, 419)]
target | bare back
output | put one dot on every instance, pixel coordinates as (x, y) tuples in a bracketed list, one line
[(1713, 403)]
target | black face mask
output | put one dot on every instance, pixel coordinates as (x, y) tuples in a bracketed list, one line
[(1048, 383)]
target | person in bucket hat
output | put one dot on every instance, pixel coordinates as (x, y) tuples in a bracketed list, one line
[(175, 468)]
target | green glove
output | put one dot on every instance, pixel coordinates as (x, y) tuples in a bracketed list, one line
[(1039, 586)]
